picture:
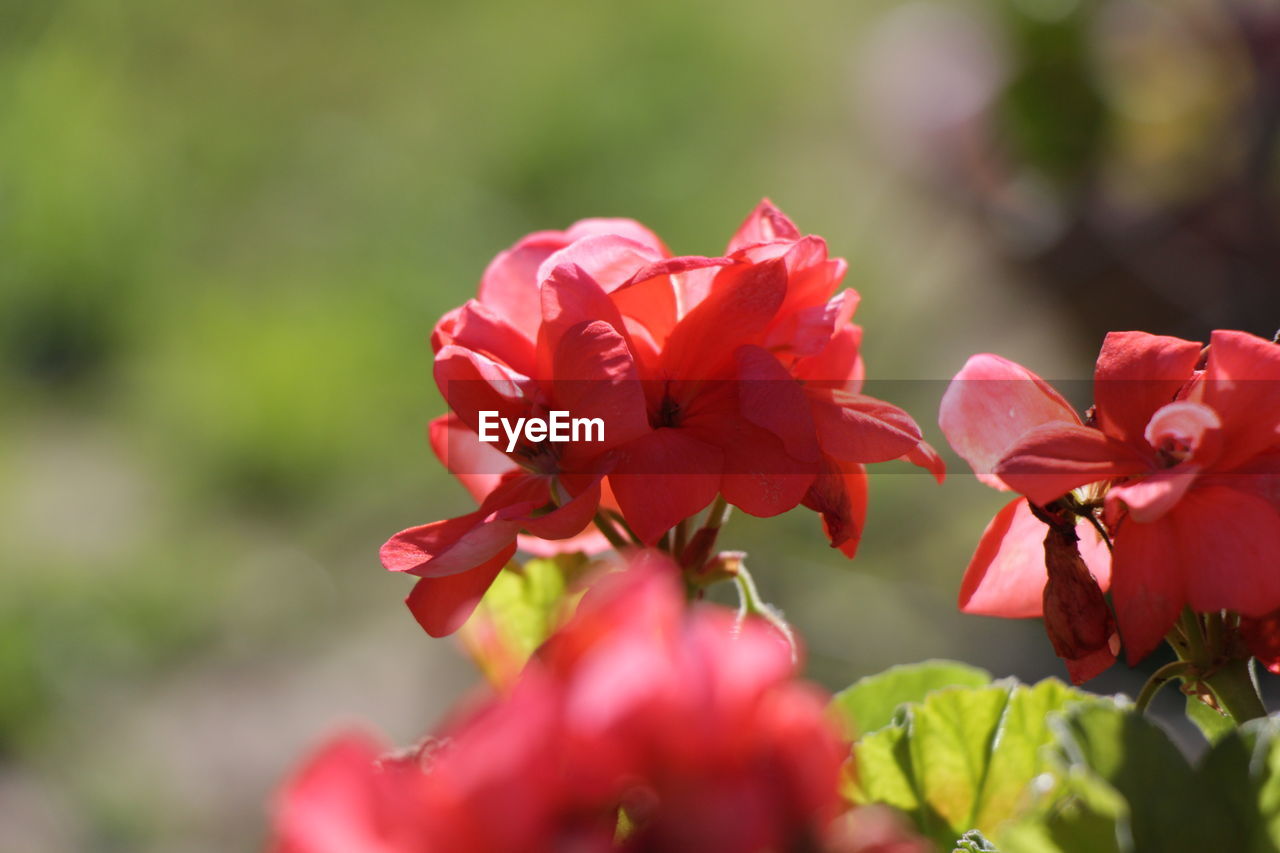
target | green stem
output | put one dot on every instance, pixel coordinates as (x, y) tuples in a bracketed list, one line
[(751, 604), (610, 532), (1158, 679), (1236, 691), (1189, 623), (681, 538), (718, 515)]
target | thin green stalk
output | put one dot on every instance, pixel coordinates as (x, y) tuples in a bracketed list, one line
[(1158, 679), (718, 515), (751, 604), (610, 532)]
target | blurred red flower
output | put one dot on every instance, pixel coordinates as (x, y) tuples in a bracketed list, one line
[(687, 721)]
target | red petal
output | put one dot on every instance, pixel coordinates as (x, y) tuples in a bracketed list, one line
[(1006, 576), (608, 258), (446, 547), (442, 604), (989, 405), (742, 301), (1147, 583), (596, 378), (1230, 550), (627, 228), (1242, 384), (570, 299), (664, 478), (857, 428), (472, 383), (568, 519), (1090, 666), (477, 327), (1151, 497), (924, 456), (840, 494), (765, 224), (1051, 460), (769, 397), (1136, 374), (510, 283), (479, 466)]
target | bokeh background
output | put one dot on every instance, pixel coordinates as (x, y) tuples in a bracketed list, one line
[(226, 230)]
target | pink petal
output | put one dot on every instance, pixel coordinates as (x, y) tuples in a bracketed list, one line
[(989, 405), (627, 228), (477, 327), (1051, 460), (1007, 575), (510, 283), (442, 604), (663, 478), (609, 259), (1190, 429), (1136, 374), (1151, 497), (1242, 384)]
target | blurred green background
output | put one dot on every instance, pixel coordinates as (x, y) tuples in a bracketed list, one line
[(227, 229)]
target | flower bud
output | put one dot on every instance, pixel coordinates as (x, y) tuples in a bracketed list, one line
[(1076, 615)]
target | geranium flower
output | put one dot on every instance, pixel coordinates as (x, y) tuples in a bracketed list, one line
[(1181, 453), (688, 723), (736, 376)]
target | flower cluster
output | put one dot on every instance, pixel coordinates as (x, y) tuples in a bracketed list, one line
[(641, 725), (736, 377), (1177, 466)]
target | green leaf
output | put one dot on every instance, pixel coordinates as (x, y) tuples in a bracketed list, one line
[(1243, 772), (869, 704), (1213, 724), (973, 841), (521, 609), (963, 758)]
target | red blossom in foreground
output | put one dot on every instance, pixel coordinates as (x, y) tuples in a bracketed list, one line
[(738, 376), (691, 723), (1182, 456)]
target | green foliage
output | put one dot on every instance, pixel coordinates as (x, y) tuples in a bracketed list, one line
[(974, 841), (520, 610), (963, 757), (1050, 769), (869, 704)]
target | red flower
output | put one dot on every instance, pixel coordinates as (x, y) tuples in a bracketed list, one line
[(736, 376), (691, 724), (1182, 452)]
